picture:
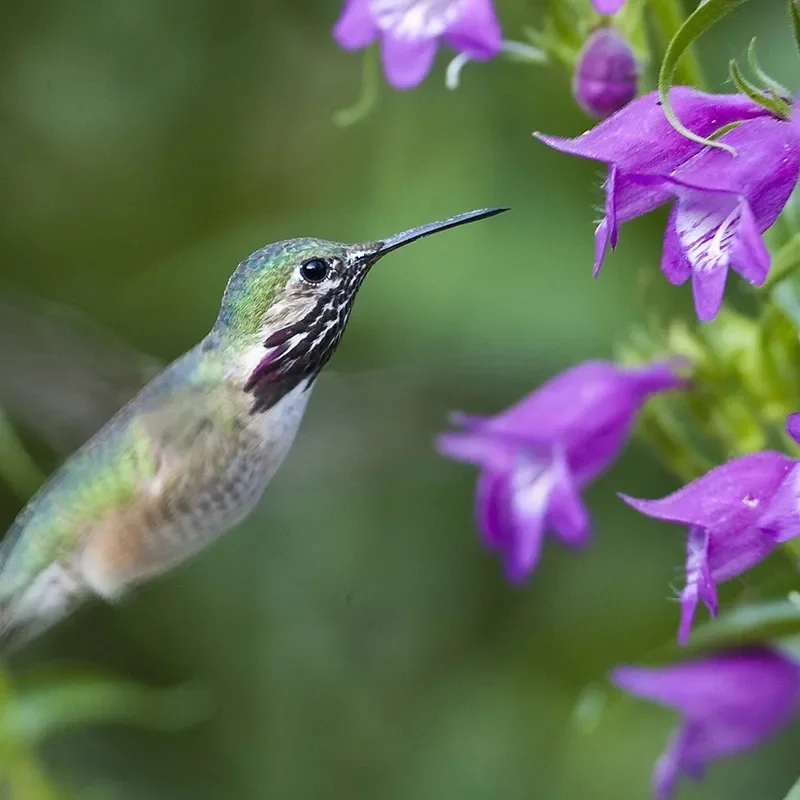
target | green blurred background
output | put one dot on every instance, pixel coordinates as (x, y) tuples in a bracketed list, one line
[(356, 639)]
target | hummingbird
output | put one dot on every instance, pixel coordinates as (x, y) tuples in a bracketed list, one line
[(191, 455)]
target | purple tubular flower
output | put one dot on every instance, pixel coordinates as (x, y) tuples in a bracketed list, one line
[(606, 74), (607, 6), (536, 456), (723, 202), (410, 31), (730, 702), (737, 514)]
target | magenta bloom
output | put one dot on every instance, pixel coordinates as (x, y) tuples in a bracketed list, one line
[(723, 202), (536, 456), (606, 74), (607, 6), (737, 515), (410, 31), (729, 702)]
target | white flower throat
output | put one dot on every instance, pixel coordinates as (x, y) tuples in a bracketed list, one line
[(415, 19)]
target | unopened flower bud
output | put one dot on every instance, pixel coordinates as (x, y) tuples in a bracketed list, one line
[(606, 74)]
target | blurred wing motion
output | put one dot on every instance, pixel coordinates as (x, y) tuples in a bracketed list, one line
[(62, 375)]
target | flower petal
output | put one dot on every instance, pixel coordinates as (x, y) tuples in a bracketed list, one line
[(793, 426), (668, 766), (731, 701), (407, 61), (476, 31), (725, 202), (749, 255), (699, 584), (708, 288), (492, 510), (584, 400), (566, 512), (611, 206), (601, 242), (674, 264), (587, 411), (728, 497), (607, 6), (639, 138), (781, 518), (531, 487), (356, 26), (756, 140), (480, 447)]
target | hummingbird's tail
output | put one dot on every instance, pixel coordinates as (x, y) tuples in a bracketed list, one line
[(24, 615)]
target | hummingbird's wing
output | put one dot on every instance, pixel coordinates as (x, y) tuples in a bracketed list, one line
[(61, 375), (155, 485)]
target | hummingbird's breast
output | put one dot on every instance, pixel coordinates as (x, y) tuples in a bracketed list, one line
[(208, 483)]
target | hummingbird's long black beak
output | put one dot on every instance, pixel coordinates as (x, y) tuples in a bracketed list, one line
[(385, 246)]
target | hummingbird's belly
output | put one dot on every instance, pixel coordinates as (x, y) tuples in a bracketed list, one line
[(189, 507)]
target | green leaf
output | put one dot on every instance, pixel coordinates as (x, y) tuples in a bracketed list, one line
[(794, 14), (368, 98), (784, 264), (794, 792), (759, 623), (750, 624), (777, 88), (49, 702), (696, 24), (772, 103)]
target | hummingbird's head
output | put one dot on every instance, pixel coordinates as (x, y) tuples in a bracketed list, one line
[(291, 301)]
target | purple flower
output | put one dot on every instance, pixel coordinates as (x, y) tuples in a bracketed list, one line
[(606, 74), (536, 456), (730, 702), (410, 31), (737, 515), (607, 6), (723, 202)]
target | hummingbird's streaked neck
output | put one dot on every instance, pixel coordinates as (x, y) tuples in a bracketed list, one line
[(286, 306), (295, 352)]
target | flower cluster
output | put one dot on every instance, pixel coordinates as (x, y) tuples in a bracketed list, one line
[(724, 200), (727, 165), (737, 514), (537, 456), (410, 31)]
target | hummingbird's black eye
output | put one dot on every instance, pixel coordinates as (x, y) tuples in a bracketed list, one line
[(315, 270)]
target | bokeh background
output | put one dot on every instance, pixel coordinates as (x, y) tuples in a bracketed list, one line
[(353, 638)]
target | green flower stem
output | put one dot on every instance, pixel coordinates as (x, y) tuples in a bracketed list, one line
[(792, 547), (668, 16), (784, 264), (17, 468), (370, 87)]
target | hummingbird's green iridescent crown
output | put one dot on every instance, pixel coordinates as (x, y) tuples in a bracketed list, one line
[(296, 296)]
